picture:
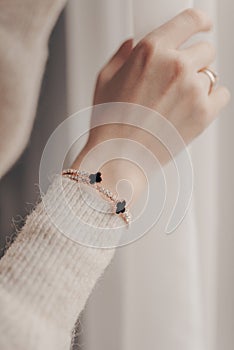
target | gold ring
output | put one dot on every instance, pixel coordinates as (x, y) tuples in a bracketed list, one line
[(212, 76)]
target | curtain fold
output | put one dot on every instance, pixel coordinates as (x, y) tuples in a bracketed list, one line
[(161, 291)]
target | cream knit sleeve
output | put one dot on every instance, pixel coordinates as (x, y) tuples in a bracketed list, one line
[(46, 278)]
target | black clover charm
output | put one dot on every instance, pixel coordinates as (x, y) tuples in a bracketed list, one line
[(95, 178), (120, 207)]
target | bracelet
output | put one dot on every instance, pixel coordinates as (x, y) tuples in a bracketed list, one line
[(93, 180)]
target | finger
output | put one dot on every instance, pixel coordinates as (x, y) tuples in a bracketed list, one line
[(180, 28), (218, 99), (200, 55), (119, 58)]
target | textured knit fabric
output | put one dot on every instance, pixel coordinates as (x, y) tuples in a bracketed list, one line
[(25, 27), (45, 277)]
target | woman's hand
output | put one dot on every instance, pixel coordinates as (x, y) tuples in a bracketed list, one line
[(159, 74)]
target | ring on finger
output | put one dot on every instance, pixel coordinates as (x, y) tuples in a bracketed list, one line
[(213, 77)]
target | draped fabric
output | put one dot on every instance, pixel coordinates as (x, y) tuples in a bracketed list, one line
[(162, 292)]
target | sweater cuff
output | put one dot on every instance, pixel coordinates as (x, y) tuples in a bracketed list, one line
[(81, 214), (46, 271)]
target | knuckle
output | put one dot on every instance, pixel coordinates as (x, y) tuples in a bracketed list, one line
[(178, 65), (147, 47), (196, 16)]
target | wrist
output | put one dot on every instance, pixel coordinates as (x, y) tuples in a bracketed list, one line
[(121, 176)]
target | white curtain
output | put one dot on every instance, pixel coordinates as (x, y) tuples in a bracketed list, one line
[(162, 292)]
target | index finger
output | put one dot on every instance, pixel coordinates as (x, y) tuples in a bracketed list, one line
[(181, 27)]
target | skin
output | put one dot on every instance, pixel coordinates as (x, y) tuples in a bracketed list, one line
[(159, 74)]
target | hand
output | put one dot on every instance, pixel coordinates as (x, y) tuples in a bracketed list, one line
[(159, 74)]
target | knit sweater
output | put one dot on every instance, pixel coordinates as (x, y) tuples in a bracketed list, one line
[(45, 277)]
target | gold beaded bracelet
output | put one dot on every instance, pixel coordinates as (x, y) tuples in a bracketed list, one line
[(93, 180)]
